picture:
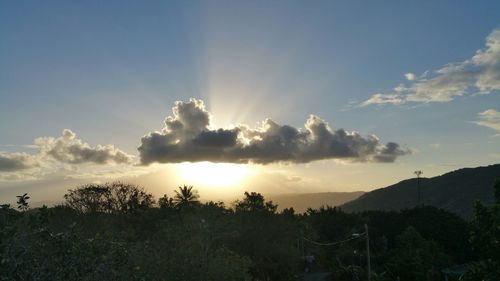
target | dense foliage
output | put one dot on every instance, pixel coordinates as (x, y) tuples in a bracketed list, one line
[(117, 231)]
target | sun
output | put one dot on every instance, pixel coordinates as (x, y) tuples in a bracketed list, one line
[(212, 174)]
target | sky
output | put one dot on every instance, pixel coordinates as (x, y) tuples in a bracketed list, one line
[(285, 96)]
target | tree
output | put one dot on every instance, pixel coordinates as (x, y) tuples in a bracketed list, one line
[(39, 254), (186, 197), (166, 202), (115, 197), (485, 237), (288, 212), (415, 258), (22, 202), (254, 202), (267, 238), (129, 198), (226, 265), (89, 198)]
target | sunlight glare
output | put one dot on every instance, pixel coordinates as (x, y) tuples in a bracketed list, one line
[(212, 174)]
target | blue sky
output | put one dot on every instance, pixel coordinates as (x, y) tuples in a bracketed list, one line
[(110, 71)]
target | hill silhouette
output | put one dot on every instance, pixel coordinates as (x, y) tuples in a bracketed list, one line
[(302, 201), (455, 191)]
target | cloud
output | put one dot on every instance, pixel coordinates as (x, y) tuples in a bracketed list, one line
[(71, 150), (479, 74), (19, 145), (15, 161), (410, 76), (436, 145), (489, 118), (66, 150), (384, 98), (188, 136)]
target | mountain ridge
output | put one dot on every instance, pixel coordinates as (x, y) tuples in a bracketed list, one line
[(454, 191)]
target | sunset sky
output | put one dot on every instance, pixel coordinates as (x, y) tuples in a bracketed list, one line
[(285, 96)]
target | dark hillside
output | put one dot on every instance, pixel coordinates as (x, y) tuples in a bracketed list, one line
[(454, 191)]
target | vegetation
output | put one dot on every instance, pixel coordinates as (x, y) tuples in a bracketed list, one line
[(117, 231), (186, 198), (486, 240)]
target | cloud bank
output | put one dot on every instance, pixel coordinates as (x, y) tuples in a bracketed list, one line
[(66, 149), (489, 118), (479, 74), (15, 161), (188, 136)]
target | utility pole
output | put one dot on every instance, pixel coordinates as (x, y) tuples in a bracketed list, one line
[(368, 253), (418, 173)]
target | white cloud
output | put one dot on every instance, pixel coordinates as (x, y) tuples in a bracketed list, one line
[(383, 98), (479, 74), (64, 154), (410, 76), (71, 150), (435, 145), (489, 118)]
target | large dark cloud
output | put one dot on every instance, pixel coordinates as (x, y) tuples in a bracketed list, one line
[(187, 136)]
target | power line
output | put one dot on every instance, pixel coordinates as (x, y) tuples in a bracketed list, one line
[(333, 243), (355, 236)]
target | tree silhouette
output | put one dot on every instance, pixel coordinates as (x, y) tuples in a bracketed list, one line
[(255, 202), (129, 198), (485, 237), (114, 197), (89, 198), (413, 258), (186, 197), (166, 202), (22, 202)]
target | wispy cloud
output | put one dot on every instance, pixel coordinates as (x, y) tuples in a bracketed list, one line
[(489, 118), (32, 146), (479, 74), (436, 145)]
